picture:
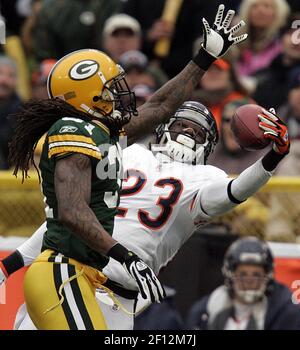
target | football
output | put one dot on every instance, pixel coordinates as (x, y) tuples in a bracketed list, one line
[(244, 126)]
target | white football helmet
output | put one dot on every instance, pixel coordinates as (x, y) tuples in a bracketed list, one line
[(182, 146)]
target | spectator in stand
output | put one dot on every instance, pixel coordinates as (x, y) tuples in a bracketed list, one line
[(68, 25), (121, 33), (228, 155), (218, 87), (273, 86), (9, 103), (138, 70), (284, 217), (250, 299), (182, 34), (264, 20)]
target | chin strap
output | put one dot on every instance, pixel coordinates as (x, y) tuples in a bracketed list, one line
[(91, 111)]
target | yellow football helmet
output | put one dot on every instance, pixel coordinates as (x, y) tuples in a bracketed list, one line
[(92, 82)]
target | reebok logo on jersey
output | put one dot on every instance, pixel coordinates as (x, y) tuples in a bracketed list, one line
[(68, 128)]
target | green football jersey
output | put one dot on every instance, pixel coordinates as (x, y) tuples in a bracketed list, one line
[(72, 135)]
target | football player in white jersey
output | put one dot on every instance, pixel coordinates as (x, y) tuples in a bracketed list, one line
[(167, 192), (104, 96)]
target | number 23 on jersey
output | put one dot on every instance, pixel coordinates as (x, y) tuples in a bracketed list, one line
[(166, 203)]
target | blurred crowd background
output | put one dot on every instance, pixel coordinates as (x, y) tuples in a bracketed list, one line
[(153, 40)]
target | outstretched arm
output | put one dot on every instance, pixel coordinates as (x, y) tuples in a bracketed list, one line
[(223, 195), (163, 104), (219, 197)]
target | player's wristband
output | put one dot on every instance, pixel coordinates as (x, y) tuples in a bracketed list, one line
[(203, 59), (119, 253), (271, 160), (12, 263)]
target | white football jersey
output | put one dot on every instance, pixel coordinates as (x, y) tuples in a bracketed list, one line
[(156, 212)]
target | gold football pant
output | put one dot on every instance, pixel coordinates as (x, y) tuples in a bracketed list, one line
[(60, 294)]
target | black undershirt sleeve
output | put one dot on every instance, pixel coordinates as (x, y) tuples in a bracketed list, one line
[(13, 262), (271, 160)]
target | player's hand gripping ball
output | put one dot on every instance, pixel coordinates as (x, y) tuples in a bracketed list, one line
[(245, 126), (254, 128)]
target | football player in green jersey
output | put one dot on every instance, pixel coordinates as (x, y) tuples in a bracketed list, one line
[(90, 103)]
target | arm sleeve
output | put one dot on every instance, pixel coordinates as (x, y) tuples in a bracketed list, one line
[(220, 196), (68, 136), (32, 247)]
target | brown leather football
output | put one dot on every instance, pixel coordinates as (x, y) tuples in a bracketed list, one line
[(244, 125)]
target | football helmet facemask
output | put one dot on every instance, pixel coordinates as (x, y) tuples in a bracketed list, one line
[(252, 251), (185, 147), (90, 81)]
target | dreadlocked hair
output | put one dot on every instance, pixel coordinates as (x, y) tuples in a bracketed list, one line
[(32, 121)]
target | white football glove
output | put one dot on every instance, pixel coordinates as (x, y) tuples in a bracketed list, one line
[(149, 285), (219, 38)]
